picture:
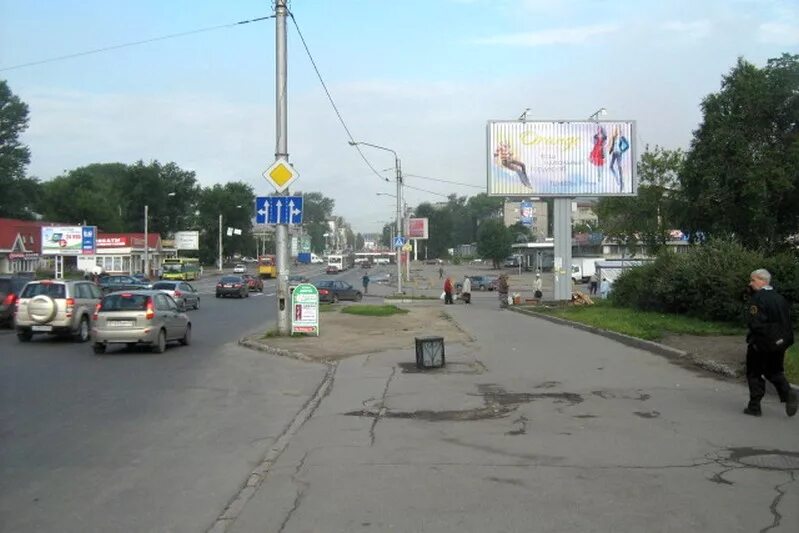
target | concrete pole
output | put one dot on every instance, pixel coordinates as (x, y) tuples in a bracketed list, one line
[(146, 268), (399, 221), (281, 233), (220, 242), (563, 249)]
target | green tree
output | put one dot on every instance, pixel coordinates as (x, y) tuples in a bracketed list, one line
[(94, 194), (359, 241), (385, 236), (234, 201), (316, 209), (740, 178), (521, 233), (440, 228), (20, 194), (657, 209), (494, 241)]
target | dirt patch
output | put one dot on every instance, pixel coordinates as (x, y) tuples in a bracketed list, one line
[(729, 350), (343, 335)]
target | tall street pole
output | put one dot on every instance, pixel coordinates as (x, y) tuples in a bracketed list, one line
[(281, 235), (220, 242), (146, 268), (397, 164)]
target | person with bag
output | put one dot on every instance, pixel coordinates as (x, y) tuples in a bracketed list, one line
[(466, 290), (537, 285), (770, 334), (448, 291), (503, 291)]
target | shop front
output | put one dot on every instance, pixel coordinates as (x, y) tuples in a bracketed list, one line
[(20, 246), (123, 253)]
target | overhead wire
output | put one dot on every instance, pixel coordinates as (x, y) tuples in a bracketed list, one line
[(442, 180), (133, 43), (423, 190), (332, 102)]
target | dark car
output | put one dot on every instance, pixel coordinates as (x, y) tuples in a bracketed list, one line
[(254, 283), (232, 286), (331, 269), (295, 280), (143, 278), (480, 283), (331, 291), (109, 284), (10, 287)]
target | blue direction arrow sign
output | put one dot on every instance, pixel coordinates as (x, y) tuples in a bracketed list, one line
[(399, 241), (278, 210)]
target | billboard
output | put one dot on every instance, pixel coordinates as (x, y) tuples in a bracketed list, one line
[(418, 228), (68, 240), (526, 212), (561, 158), (187, 240)]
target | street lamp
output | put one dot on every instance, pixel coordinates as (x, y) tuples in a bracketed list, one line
[(398, 167), (146, 268), (601, 112), (220, 238)]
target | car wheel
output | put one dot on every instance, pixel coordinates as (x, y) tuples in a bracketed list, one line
[(218, 295), (186, 340), (358, 296), (83, 330), (247, 294), (197, 304), (25, 336), (335, 299), (99, 348), (130, 345), (160, 343)]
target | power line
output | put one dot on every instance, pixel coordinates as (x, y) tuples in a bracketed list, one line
[(134, 43), (442, 180), (423, 190), (332, 103)]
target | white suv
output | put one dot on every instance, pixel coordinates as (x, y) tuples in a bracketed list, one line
[(56, 306)]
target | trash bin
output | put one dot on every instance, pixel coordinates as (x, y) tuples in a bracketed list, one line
[(429, 352), (517, 299)]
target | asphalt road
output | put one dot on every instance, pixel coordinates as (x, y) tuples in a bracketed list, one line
[(135, 441)]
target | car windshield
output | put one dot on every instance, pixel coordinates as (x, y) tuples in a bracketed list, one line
[(325, 284), (231, 279), (125, 302), (164, 286), (173, 268), (53, 290)]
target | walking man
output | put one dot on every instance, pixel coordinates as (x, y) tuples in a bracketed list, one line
[(466, 290), (770, 334), (503, 291), (365, 280), (440, 272), (448, 291)]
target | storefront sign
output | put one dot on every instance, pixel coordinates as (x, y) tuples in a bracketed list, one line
[(68, 240), (305, 309), (112, 242)]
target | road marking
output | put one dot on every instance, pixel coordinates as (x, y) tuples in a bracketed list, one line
[(270, 294)]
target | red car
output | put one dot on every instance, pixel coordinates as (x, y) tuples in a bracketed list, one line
[(253, 283)]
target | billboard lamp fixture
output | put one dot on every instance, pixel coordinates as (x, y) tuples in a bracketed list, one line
[(601, 112)]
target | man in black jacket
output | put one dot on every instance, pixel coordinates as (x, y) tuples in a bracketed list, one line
[(770, 334)]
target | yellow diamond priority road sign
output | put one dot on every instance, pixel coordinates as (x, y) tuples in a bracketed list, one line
[(281, 174)]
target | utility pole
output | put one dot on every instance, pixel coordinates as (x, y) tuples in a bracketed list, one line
[(220, 242), (398, 165), (281, 151), (146, 268)]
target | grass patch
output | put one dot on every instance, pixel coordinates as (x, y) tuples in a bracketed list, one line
[(270, 333), (792, 364), (641, 324), (373, 310), (409, 297), (327, 308)]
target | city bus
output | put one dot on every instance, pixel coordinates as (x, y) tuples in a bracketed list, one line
[(341, 261), (267, 266), (181, 268)]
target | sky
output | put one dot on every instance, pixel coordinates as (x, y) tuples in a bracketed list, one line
[(419, 77)]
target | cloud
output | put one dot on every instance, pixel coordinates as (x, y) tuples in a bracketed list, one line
[(694, 30), (575, 35), (779, 33)]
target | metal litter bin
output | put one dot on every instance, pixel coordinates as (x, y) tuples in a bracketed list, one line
[(430, 352)]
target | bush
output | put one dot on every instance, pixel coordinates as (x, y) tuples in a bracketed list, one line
[(708, 282)]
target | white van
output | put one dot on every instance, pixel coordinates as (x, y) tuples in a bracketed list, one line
[(316, 260)]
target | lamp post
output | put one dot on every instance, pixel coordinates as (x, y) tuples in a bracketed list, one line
[(146, 268), (601, 112), (398, 167)]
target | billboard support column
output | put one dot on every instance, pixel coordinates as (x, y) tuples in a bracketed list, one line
[(563, 249), (415, 249), (59, 267)]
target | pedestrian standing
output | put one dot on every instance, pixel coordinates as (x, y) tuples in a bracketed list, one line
[(440, 272), (466, 290), (604, 288), (448, 291), (365, 280), (503, 291), (537, 285), (770, 334), (593, 286)]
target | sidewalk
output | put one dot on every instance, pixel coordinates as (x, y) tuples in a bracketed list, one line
[(532, 427)]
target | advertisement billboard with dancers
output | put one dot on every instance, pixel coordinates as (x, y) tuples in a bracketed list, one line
[(561, 158)]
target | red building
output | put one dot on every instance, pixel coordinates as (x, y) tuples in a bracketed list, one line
[(20, 245), (123, 253)]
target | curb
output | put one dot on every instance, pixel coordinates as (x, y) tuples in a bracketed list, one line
[(649, 346), (261, 347)]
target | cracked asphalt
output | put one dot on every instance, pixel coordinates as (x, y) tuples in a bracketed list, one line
[(555, 429)]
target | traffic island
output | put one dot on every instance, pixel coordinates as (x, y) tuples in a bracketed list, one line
[(367, 330)]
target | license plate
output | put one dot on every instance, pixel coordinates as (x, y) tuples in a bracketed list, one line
[(121, 323), (228, 286), (41, 328)]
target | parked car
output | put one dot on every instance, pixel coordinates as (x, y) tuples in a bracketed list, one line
[(382, 261), (296, 279), (331, 291), (56, 306), (183, 293), (110, 284), (232, 286), (383, 278), (240, 269), (142, 278), (10, 287), (254, 283), (139, 317), (331, 269), (480, 283)]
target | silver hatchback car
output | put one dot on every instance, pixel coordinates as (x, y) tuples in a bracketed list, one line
[(139, 317)]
